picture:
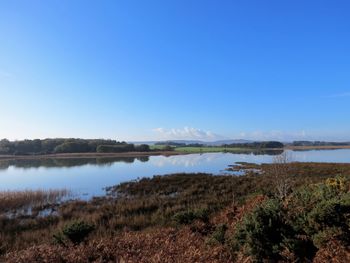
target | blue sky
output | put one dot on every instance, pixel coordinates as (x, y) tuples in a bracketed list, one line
[(184, 69)]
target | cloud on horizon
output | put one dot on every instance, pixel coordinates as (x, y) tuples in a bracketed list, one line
[(190, 133), (186, 133)]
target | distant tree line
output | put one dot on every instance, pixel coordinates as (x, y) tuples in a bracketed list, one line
[(170, 143), (250, 145), (122, 148), (50, 146), (256, 145), (179, 144), (319, 143)]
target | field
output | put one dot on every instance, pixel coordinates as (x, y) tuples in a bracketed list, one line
[(194, 218)]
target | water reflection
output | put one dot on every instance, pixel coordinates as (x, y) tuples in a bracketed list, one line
[(185, 160), (87, 177)]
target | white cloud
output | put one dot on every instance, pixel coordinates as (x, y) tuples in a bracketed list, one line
[(186, 133)]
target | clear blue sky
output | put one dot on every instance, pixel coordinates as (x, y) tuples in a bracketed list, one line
[(140, 70)]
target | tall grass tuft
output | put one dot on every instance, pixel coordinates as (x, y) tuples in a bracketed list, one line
[(16, 200)]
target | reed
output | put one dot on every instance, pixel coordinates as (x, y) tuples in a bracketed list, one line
[(26, 199)]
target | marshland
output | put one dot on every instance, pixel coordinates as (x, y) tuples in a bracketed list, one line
[(174, 131), (208, 208)]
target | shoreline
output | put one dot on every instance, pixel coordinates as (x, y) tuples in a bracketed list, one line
[(89, 155), (158, 153)]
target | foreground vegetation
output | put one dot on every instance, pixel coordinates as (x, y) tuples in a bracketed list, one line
[(278, 212)]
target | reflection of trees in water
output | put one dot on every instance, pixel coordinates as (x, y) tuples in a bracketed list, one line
[(257, 152), (268, 152), (143, 159), (67, 162), (100, 161)]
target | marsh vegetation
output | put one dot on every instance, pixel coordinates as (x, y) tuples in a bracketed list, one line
[(30, 200), (195, 217)]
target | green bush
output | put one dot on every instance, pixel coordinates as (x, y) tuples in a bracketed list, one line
[(310, 217), (330, 219), (261, 234), (77, 231)]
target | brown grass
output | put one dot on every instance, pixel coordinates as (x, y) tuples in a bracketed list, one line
[(13, 200), (333, 252), (156, 245), (138, 226)]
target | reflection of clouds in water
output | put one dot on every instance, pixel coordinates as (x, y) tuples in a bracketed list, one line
[(92, 178), (337, 156), (301, 157), (251, 158), (184, 160), (192, 160)]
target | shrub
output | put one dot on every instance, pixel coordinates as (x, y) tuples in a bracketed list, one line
[(77, 231), (261, 234), (329, 219), (307, 220)]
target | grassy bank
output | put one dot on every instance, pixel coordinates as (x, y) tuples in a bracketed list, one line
[(191, 218)]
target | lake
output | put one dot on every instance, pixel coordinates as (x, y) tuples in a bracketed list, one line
[(87, 177)]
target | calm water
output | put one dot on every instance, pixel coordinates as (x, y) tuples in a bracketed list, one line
[(88, 177)]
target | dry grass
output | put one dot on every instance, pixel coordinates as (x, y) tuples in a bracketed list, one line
[(158, 245), (14, 200), (138, 226), (333, 252)]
